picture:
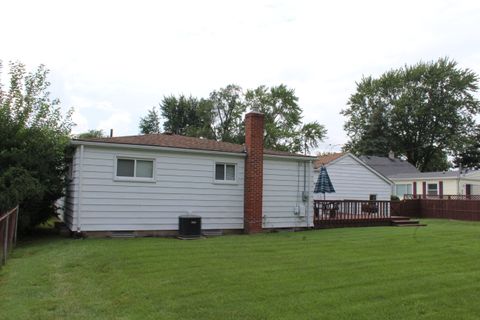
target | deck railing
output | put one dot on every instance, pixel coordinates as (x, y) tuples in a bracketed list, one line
[(442, 197), (8, 232), (361, 210)]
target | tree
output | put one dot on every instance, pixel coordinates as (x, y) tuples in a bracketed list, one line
[(220, 117), (469, 156), (312, 134), (422, 112), (228, 108), (93, 133), (187, 116), (150, 123), (284, 130), (34, 135)]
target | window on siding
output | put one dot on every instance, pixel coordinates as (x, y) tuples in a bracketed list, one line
[(432, 189), (225, 172), (372, 197), (134, 168), (402, 189)]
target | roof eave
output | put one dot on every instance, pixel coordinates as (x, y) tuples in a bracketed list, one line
[(189, 150), (153, 147)]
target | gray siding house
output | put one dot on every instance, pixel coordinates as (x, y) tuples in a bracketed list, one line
[(352, 179), (144, 183)]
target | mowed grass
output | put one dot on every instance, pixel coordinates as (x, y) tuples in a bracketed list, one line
[(355, 273)]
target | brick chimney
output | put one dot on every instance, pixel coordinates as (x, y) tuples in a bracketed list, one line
[(253, 184)]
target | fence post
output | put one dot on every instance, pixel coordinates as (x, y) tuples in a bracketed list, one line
[(17, 210), (5, 242)]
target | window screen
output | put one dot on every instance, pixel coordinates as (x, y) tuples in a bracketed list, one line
[(144, 169), (125, 168)]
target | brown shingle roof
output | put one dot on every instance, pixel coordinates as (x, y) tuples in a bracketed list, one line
[(325, 159), (182, 142)]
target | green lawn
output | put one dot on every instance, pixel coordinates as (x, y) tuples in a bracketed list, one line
[(356, 273)]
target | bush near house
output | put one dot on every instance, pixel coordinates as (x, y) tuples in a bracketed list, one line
[(34, 134)]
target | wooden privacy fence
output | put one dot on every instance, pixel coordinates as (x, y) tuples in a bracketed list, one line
[(8, 232), (438, 208)]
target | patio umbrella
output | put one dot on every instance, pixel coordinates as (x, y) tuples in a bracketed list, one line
[(323, 185)]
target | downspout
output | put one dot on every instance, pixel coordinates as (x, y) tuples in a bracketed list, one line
[(80, 183), (305, 193)]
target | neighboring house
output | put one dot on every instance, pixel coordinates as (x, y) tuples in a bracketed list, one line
[(391, 166), (437, 183), (352, 179), (408, 180), (144, 183)]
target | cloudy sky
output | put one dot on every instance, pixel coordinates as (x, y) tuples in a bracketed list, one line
[(113, 60)]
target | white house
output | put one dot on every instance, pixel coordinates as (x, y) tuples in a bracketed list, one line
[(352, 179), (408, 180), (142, 184), (439, 183)]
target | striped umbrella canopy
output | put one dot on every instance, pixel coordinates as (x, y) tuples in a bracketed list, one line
[(323, 185)]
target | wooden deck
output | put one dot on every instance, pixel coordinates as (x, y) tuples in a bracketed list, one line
[(355, 213)]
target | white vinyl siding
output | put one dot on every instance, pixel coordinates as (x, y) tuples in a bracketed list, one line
[(183, 184), (283, 183), (354, 181)]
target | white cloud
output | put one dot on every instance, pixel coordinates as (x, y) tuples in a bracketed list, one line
[(119, 121), (81, 123)]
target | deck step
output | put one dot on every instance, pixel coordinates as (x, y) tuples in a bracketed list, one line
[(400, 218), (406, 222)]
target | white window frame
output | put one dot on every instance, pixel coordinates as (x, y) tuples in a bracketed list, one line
[(438, 190), (225, 181), (134, 178)]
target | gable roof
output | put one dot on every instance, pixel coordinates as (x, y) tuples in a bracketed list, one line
[(182, 142), (326, 159), (335, 157), (389, 167)]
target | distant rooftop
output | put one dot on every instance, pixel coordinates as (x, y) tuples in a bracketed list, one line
[(389, 167), (325, 159)]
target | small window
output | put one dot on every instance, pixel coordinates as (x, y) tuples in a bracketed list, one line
[(135, 168), (373, 197), (432, 189), (225, 172)]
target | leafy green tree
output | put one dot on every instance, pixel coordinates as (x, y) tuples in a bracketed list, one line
[(423, 112), (312, 133), (228, 107), (93, 133), (284, 130), (34, 135), (187, 116), (150, 123), (469, 156), (220, 117)]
